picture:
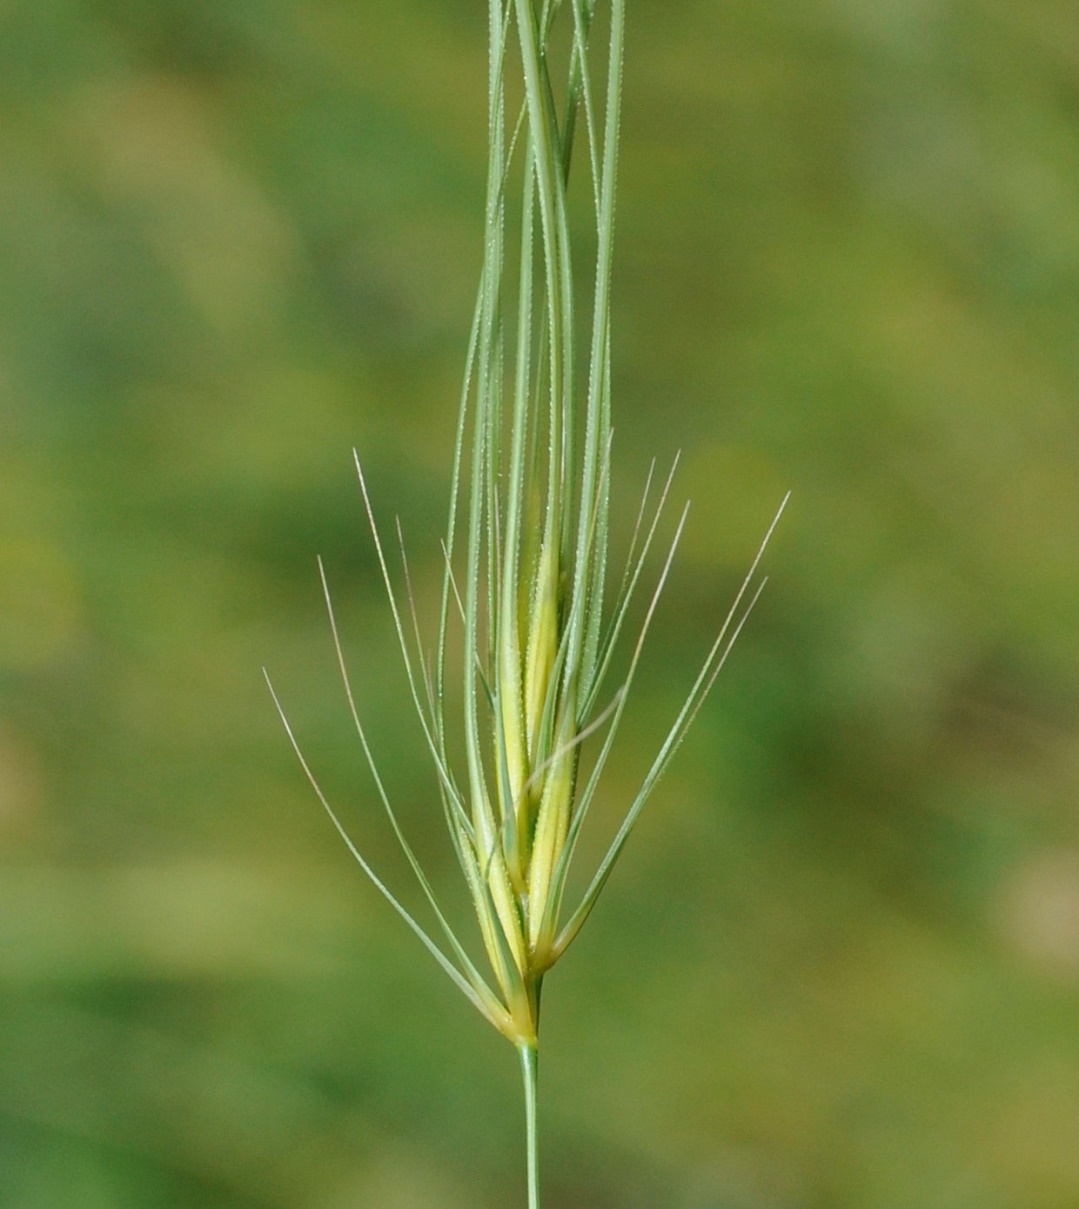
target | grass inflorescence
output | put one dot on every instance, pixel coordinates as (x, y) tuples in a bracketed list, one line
[(526, 550)]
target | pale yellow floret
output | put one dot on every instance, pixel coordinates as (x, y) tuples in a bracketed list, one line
[(547, 844), (510, 731)]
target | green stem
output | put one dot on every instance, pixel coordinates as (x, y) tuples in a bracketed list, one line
[(529, 1062)]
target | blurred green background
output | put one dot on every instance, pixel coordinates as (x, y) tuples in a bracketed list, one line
[(839, 965)]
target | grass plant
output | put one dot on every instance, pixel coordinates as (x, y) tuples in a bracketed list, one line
[(526, 550)]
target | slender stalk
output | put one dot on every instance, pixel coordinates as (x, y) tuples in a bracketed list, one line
[(529, 1062)]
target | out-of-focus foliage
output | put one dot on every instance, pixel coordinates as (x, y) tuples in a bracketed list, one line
[(839, 967)]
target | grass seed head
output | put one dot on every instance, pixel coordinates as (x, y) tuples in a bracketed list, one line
[(526, 547)]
